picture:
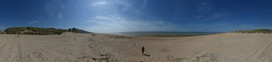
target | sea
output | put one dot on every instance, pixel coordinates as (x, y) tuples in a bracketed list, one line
[(165, 34)]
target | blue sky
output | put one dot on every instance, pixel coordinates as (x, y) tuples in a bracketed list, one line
[(139, 15)]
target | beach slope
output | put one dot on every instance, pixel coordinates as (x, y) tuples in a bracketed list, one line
[(76, 47)]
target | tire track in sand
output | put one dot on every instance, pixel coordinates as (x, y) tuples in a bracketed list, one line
[(19, 49), (261, 49)]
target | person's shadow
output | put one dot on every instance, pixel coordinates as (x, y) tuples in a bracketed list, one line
[(146, 55), (143, 49)]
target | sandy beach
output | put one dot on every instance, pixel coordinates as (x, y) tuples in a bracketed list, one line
[(71, 47)]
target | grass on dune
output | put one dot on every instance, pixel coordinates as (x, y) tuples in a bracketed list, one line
[(1, 32), (254, 31), (34, 30)]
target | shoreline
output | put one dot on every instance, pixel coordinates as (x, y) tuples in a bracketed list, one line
[(181, 34)]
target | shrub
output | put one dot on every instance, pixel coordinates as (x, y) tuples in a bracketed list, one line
[(35, 31), (15, 30), (1, 32), (254, 31)]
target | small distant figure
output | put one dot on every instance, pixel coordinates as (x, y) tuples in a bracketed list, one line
[(18, 34), (143, 49)]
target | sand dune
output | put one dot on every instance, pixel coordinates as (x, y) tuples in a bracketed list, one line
[(70, 47)]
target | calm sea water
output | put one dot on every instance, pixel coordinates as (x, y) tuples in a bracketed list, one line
[(166, 34)]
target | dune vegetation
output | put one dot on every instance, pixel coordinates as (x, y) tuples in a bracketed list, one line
[(254, 31), (39, 31)]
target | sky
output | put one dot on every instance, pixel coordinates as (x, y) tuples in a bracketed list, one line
[(104, 16)]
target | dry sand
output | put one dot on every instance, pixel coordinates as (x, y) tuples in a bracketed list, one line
[(70, 47)]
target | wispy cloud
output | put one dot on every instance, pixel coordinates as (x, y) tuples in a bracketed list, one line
[(118, 24), (126, 5), (99, 3), (33, 22), (60, 14), (204, 6), (145, 2)]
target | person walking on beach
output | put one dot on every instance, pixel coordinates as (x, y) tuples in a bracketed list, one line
[(143, 49), (18, 35)]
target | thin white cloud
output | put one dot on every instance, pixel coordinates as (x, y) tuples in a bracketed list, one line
[(113, 7), (204, 6), (106, 24), (33, 22), (145, 2), (99, 3), (126, 5), (60, 16)]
